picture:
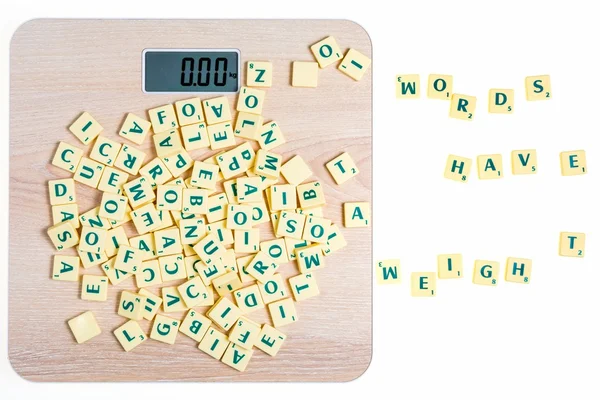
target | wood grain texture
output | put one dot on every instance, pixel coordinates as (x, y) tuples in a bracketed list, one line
[(60, 68)]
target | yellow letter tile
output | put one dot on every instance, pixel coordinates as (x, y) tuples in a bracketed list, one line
[(457, 168), (355, 64), (573, 162), (270, 340), (251, 100), (422, 284), (450, 266), (189, 111), (85, 128), (489, 166), (524, 162), (130, 335), (501, 101), (105, 150), (131, 305), (84, 327), (135, 128), (259, 74), (283, 312), (63, 235), (65, 268), (296, 171), (486, 272), (572, 244), (94, 288), (388, 272), (408, 86), (357, 214), (217, 110), (463, 107), (163, 118), (439, 87), (538, 87), (518, 270), (326, 51), (214, 343), (165, 329), (304, 286), (342, 168), (305, 74), (67, 157)]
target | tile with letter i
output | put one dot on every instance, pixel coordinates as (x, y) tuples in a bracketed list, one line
[(538, 87), (244, 333), (105, 151), (357, 215), (214, 343), (227, 283), (518, 270), (65, 268), (489, 166), (113, 206), (326, 51), (63, 235), (237, 357), (249, 299), (304, 286), (85, 128), (169, 197), (248, 125), (251, 100), (283, 312), (458, 168), (195, 136), (62, 191), (165, 329), (224, 313), (273, 289), (439, 86), (355, 64), (573, 163), (259, 73), (283, 197), (128, 259), (295, 170), (129, 159), (310, 259), (94, 288), (572, 244), (486, 272), (152, 306), (342, 168), (388, 272), (423, 284), (131, 305), (216, 110), (84, 327), (167, 143), (408, 86), (172, 301), (501, 101), (92, 240), (270, 136), (67, 157), (462, 107), (189, 111), (193, 292), (450, 266), (135, 128), (262, 267), (195, 325), (305, 74), (88, 172), (270, 340), (246, 241), (130, 335), (163, 118), (335, 240), (524, 162)]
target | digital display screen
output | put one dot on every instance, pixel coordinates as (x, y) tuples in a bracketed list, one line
[(190, 70)]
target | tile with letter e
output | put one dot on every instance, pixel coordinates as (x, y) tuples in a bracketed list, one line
[(573, 162), (423, 284), (270, 340)]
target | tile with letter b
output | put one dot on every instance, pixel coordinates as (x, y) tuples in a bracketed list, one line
[(572, 244), (195, 325), (388, 272), (457, 168)]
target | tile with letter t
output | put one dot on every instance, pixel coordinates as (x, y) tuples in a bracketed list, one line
[(486, 272), (423, 284), (388, 272), (458, 168), (572, 244), (304, 286), (518, 270), (342, 168)]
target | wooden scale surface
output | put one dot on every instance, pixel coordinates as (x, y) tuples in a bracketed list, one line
[(58, 69)]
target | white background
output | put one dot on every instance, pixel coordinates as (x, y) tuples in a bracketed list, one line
[(512, 341)]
